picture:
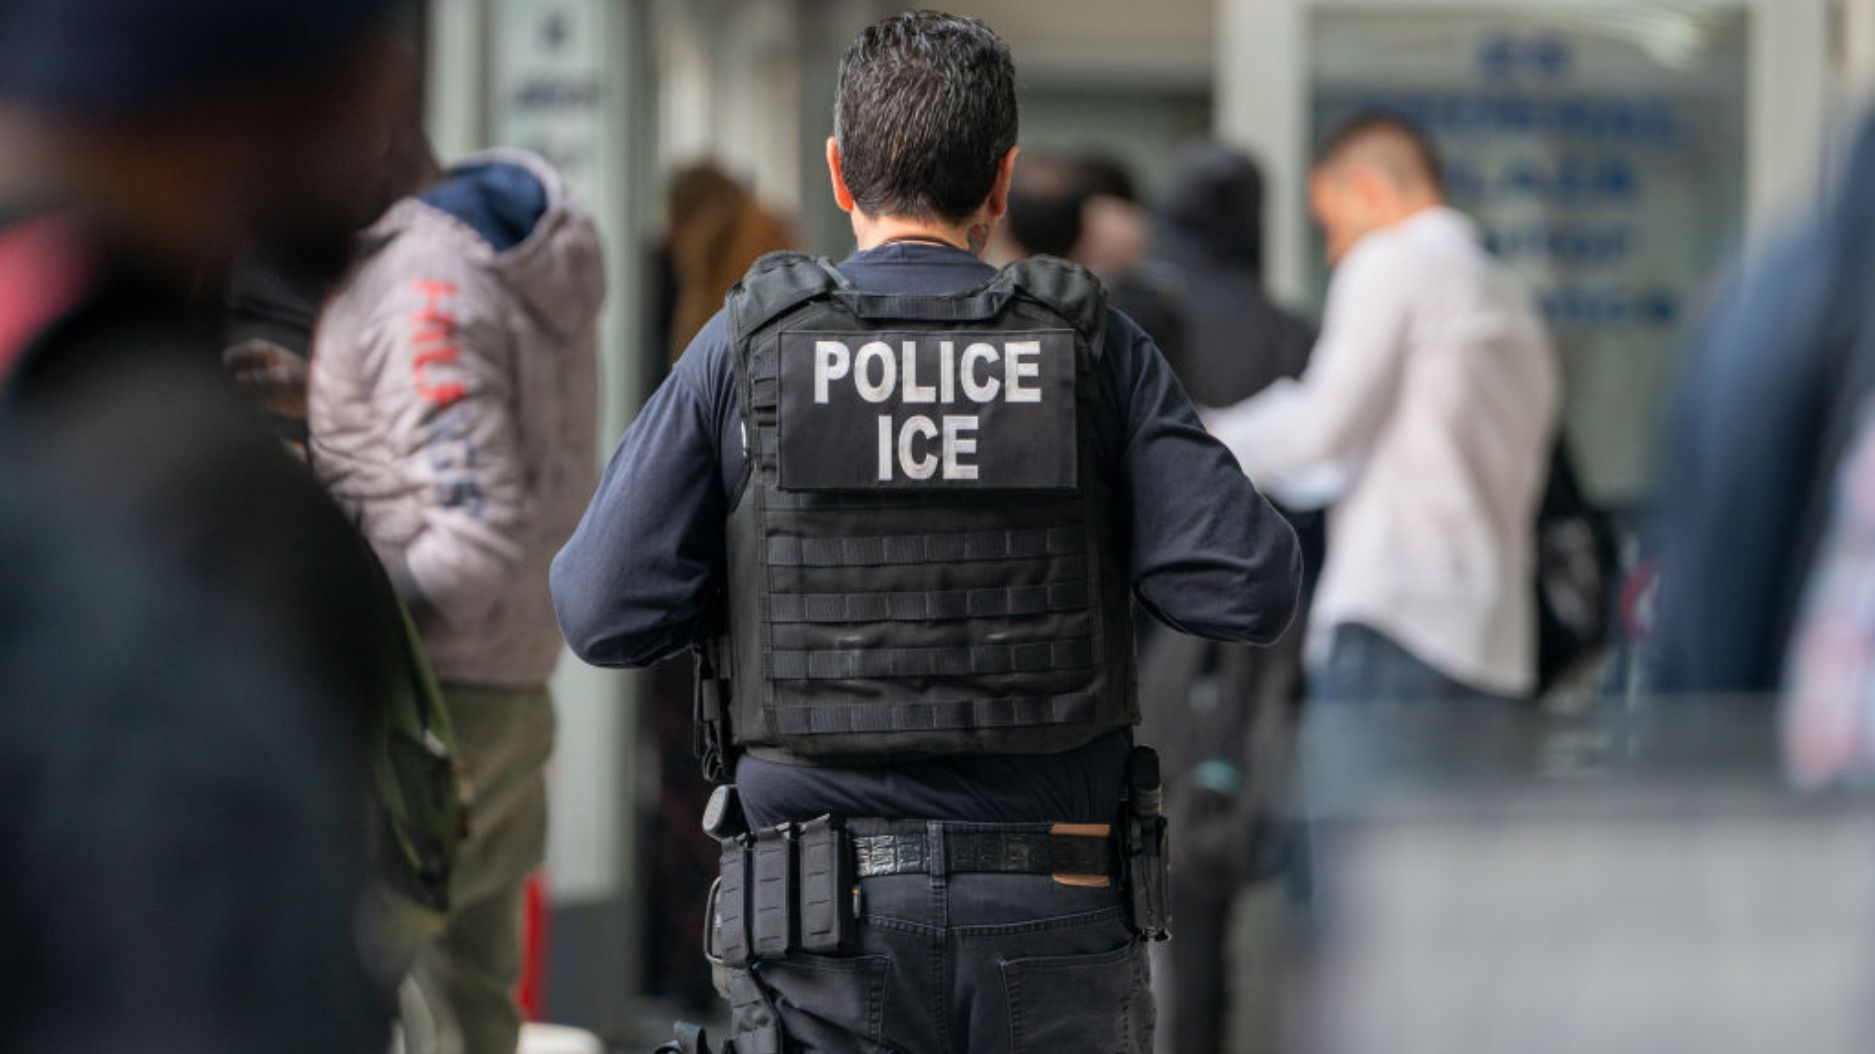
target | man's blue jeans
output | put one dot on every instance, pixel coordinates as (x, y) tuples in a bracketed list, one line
[(1364, 666)]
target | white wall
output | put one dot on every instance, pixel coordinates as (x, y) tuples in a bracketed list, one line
[(728, 74), (1105, 41)]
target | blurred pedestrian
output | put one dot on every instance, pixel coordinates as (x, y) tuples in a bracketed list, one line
[(1224, 714), (715, 229), (1425, 417), (453, 409), (192, 878), (1210, 234), (1117, 243), (1046, 207), (1053, 211)]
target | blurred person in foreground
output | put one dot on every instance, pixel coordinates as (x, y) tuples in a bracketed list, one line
[(928, 689), (183, 793), (1226, 714), (1424, 420), (453, 409), (1773, 428), (1765, 431)]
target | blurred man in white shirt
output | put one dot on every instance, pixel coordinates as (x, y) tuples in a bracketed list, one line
[(1424, 419)]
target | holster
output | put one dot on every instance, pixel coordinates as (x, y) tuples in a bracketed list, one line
[(1148, 861), (710, 714), (1149, 876)]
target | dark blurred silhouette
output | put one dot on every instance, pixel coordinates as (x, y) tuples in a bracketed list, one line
[(1224, 716), (182, 764), (1116, 243), (1117, 228), (1769, 399), (268, 340), (180, 821), (1073, 208), (1047, 200), (1210, 232)]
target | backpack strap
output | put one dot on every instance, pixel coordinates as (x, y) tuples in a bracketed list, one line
[(43, 275)]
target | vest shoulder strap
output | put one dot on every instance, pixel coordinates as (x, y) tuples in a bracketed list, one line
[(1066, 288), (778, 283)]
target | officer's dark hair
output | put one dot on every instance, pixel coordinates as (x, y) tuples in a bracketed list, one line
[(1045, 202), (925, 110), (1419, 160)]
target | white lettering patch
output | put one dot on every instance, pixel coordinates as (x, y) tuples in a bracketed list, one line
[(928, 409)]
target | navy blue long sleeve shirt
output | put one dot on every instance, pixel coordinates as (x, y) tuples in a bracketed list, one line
[(638, 580)]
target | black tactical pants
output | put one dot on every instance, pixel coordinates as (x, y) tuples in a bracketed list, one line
[(961, 964)]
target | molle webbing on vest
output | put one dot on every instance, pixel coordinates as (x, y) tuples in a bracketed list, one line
[(880, 550), (829, 664), (963, 615), (938, 716), (932, 606)]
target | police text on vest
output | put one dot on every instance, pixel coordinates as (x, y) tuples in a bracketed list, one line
[(984, 373), (930, 408)]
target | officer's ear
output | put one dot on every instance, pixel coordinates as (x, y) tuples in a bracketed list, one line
[(841, 196), (998, 203)]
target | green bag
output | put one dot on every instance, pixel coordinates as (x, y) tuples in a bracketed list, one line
[(421, 794)]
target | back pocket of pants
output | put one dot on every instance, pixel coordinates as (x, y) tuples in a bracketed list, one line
[(1083, 1003), (828, 1003)]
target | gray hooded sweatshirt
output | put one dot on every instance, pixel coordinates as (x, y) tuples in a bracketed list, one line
[(454, 404)]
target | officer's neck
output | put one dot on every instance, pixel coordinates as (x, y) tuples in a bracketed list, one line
[(870, 232)]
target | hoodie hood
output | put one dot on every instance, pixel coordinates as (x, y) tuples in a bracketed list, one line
[(1212, 208), (502, 201), (512, 211)]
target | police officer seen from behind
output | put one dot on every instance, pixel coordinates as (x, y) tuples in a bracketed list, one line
[(903, 506)]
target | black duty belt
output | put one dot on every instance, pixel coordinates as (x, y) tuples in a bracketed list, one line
[(796, 887), (1078, 850)]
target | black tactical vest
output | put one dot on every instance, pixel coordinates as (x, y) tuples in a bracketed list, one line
[(926, 555)]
